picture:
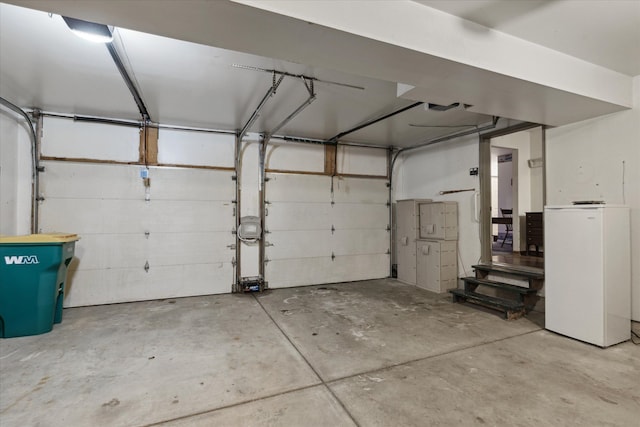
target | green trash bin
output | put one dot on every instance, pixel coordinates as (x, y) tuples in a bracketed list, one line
[(33, 271)]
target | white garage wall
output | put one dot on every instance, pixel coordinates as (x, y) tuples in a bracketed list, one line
[(352, 160), (15, 176), (295, 157), (180, 147), (423, 173), (84, 140), (599, 159)]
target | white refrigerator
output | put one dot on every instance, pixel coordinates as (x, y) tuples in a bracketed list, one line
[(587, 255)]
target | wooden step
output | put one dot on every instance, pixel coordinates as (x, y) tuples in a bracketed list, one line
[(527, 272), (499, 285), (511, 309)]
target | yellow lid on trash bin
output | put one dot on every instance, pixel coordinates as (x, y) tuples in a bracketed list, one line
[(40, 238)]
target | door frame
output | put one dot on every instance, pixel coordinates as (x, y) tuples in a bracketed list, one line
[(485, 182)]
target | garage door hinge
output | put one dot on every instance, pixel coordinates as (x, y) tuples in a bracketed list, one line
[(388, 227), (333, 256), (234, 201), (266, 260), (234, 177), (266, 202), (40, 168), (232, 246), (146, 266), (266, 231), (388, 252), (388, 184), (388, 203), (233, 231), (267, 244), (40, 198), (333, 229)]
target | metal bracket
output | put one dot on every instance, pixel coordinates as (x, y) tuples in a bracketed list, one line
[(146, 266), (146, 234), (333, 256), (333, 229), (234, 177), (388, 227), (232, 246), (40, 198), (40, 169)]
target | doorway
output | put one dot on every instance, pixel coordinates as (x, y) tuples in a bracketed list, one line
[(512, 190), (502, 196)]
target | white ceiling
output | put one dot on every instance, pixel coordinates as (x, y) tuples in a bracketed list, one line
[(606, 32), (189, 84), (183, 83)]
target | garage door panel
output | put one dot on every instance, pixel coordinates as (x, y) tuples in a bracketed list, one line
[(360, 190), (191, 248), (298, 188), (189, 216), (287, 273), (108, 181), (90, 287), (299, 244), (90, 181), (84, 216), (191, 184), (102, 251), (88, 216), (356, 215), (298, 216), (360, 242), (359, 267)]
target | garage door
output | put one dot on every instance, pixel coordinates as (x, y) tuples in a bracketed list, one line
[(177, 243), (325, 230)]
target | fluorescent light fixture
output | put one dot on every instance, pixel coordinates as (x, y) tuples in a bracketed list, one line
[(97, 33)]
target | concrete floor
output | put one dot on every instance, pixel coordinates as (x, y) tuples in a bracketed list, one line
[(367, 353)]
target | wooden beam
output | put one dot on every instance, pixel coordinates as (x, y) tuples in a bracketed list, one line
[(330, 159), (151, 145)]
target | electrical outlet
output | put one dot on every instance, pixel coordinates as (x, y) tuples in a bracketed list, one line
[(473, 171)]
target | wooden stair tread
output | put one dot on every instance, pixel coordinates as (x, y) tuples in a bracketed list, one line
[(499, 285), (488, 300), (513, 270)]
